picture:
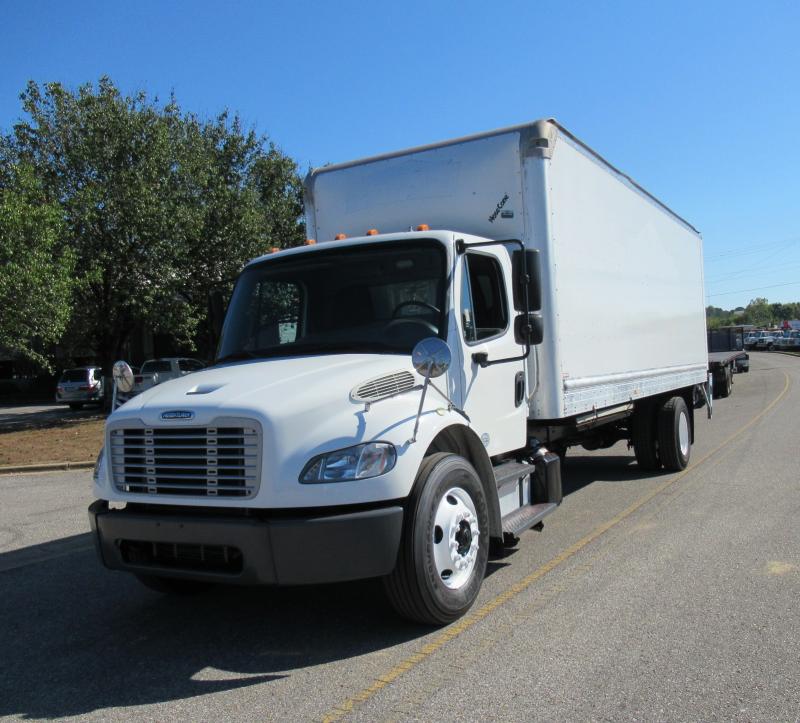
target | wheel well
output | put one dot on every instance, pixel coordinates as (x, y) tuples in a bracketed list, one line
[(462, 441)]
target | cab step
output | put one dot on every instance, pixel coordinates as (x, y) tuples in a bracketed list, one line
[(526, 517), (511, 472)]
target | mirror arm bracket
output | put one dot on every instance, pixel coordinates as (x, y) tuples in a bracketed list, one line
[(482, 358)]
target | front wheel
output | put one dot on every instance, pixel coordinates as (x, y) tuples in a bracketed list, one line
[(445, 545)]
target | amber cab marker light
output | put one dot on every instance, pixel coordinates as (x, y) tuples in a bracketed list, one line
[(340, 237), (372, 232), (423, 227), (310, 242), (274, 250)]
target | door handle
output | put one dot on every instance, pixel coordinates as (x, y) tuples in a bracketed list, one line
[(519, 388)]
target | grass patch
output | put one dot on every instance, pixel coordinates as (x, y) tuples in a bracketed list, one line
[(77, 441)]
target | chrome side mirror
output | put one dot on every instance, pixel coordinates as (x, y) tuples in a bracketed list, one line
[(123, 381), (431, 357), (123, 376)]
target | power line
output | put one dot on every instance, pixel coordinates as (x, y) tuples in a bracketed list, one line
[(756, 288), (755, 248)]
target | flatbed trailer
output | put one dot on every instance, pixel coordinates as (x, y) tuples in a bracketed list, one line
[(726, 357)]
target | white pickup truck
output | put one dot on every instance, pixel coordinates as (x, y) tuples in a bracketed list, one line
[(157, 371), (389, 400)]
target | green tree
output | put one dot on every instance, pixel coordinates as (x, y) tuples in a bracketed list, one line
[(758, 312), (159, 205), (36, 280)]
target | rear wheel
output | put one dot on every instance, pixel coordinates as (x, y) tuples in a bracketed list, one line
[(725, 383), (674, 434), (445, 546), (644, 437)]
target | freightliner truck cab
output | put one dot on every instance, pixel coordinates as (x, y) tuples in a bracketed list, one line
[(318, 449)]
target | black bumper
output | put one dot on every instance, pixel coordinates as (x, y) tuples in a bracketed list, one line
[(248, 551)]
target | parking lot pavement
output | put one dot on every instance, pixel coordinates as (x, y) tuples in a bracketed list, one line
[(38, 415), (645, 597)]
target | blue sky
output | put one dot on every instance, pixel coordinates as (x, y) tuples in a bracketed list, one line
[(698, 101)]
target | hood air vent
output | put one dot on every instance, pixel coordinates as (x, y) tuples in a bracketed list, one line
[(381, 387)]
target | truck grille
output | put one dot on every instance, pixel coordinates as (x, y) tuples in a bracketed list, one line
[(219, 461)]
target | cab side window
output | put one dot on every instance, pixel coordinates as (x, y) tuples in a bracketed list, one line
[(483, 298)]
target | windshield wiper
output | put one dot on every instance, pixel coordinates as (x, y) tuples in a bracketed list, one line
[(235, 356), (370, 347)]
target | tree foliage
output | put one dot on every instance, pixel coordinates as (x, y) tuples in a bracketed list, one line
[(159, 205), (36, 280), (758, 312)]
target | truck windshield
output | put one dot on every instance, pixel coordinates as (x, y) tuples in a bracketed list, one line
[(380, 298)]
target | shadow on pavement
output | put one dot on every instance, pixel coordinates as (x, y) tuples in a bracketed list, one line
[(580, 471), (77, 638), (16, 419)]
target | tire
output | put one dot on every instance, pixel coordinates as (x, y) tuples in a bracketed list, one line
[(76, 405), (419, 587), (172, 586), (726, 383), (644, 438), (674, 434)]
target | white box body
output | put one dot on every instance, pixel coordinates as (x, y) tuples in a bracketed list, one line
[(622, 275)]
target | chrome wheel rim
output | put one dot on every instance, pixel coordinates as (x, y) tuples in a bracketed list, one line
[(683, 434), (455, 538)]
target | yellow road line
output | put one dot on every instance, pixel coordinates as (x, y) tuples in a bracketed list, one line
[(344, 708)]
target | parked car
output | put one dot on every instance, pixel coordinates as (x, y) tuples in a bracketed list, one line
[(83, 385), (752, 338), (156, 371), (768, 341), (788, 342)]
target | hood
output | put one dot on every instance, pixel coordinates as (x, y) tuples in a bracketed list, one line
[(265, 385)]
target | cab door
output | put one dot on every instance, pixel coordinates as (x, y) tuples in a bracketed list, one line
[(494, 397)]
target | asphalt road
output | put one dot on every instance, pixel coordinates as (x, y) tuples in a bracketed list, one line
[(658, 597)]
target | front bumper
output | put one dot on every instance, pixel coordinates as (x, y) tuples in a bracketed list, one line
[(248, 550)]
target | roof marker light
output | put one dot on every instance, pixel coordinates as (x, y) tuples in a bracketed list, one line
[(274, 250), (310, 242), (340, 237), (372, 232), (423, 227)]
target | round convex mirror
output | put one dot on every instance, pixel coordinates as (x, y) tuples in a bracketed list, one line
[(123, 376), (431, 357)]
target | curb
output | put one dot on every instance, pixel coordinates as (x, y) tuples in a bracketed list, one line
[(47, 467)]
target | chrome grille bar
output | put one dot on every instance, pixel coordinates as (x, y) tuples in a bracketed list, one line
[(216, 461)]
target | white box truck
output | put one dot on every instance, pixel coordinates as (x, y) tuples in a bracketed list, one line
[(393, 399)]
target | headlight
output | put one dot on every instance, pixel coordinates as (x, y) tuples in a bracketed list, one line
[(359, 462), (97, 465)]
